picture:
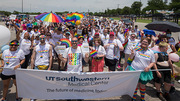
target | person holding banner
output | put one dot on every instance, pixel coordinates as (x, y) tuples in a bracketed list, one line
[(42, 55), (141, 58), (13, 58), (98, 59), (163, 77), (73, 56)]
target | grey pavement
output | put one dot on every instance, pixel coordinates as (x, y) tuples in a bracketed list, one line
[(150, 89)]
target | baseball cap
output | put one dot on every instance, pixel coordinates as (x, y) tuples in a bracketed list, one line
[(96, 34), (111, 33), (68, 33)]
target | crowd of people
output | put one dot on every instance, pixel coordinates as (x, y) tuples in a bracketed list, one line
[(35, 44)]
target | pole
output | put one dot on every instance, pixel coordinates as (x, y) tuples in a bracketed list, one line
[(22, 6)]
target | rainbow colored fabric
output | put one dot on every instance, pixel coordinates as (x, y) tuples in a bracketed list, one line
[(13, 43), (137, 48), (126, 32), (93, 53), (73, 17), (66, 42), (125, 44), (129, 61), (49, 17)]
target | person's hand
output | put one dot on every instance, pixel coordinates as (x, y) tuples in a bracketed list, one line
[(87, 55), (115, 44), (17, 66), (91, 48), (132, 51), (61, 56), (158, 74), (146, 69)]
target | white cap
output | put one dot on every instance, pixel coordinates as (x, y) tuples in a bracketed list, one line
[(133, 33)]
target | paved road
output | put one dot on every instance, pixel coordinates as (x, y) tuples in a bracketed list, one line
[(150, 92)]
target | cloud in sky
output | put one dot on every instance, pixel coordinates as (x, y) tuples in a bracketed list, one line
[(64, 5)]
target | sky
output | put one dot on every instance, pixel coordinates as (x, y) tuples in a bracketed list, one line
[(65, 5)]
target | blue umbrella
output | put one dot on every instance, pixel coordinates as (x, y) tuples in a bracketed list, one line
[(149, 32)]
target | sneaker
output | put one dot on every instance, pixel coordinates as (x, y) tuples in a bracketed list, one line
[(160, 95), (167, 96), (119, 66)]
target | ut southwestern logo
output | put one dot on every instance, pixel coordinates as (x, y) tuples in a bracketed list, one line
[(76, 79)]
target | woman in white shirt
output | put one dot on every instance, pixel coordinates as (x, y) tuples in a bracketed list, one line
[(98, 60), (25, 46), (142, 58), (13, 58)]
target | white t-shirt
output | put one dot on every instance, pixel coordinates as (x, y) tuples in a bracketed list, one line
[(42, 55), (56, 37), (25, 46), (172, 41), (142, 59), (74, 59), (131, 44), (100, 50), (121, 37), (104, 38), (111, 51), (11, 59)]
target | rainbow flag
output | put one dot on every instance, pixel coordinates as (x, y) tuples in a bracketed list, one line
[(126, 32), (125, 44), (73, 17), (93, 53)]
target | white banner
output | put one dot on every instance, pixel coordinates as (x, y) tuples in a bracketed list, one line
[(36, 84)]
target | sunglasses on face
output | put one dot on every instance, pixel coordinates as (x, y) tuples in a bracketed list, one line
[(74, 41), (48, 35), (42, 38)]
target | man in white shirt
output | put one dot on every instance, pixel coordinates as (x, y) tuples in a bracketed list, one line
[(73, 56)]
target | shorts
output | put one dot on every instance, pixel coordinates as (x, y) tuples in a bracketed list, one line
[(5, 77), (165, 77), (111, 64)]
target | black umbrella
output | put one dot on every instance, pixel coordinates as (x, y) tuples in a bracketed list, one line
[(163, 26)]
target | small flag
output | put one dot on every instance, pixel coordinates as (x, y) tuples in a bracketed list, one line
[(93, 53)]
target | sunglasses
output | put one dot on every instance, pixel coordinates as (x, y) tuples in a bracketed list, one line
[(42, 38), (48, 35), (74, 41)]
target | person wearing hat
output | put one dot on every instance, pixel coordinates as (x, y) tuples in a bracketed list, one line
[(163, 77), (131, 43), (113, 47), (57, 35), (67, 35)]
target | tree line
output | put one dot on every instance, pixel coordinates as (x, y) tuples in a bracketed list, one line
[(152, 6)]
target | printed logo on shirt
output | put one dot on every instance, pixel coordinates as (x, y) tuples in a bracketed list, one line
[(144, 55), (43, 51), (74, 58), (27, 42), (10, 57)]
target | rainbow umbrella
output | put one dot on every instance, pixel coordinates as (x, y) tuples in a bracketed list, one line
[(49, 17)]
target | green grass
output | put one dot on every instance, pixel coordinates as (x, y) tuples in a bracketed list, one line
[(144, 20), (178, 63)]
